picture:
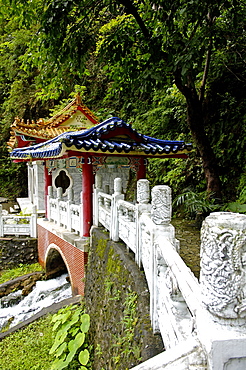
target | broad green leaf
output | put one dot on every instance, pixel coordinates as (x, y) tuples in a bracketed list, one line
[(85, 322), (59, 365), (72, 346), (66, 316), (84, 357), (56, 325), (61, 335), (61, 349), (56, 344), (79, 339)]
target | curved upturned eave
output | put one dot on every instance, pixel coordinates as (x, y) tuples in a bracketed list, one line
[(49, 154), (103, 139)]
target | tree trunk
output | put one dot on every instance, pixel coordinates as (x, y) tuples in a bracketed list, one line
[(195, 122), (196, 125)]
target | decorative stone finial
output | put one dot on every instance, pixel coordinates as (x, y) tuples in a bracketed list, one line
[(143, 193), (98, 181), (161, 210), (117, 186), (223, 264)]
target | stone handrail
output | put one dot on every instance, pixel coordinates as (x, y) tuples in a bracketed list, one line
[(146, 230), (18, 224), (63, 212), (206, 319)]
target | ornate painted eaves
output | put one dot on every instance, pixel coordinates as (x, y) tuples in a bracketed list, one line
[(112, 137), (75, 116)]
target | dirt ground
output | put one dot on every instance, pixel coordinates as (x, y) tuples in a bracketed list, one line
[(189, 237)]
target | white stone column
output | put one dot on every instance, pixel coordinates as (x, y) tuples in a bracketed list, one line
[(69, 202), (33, 222), (1, 221), (143, 191), (49, 197), (143, 206), (221, 321), (59, 198), (223, 265), (161, 210), (163, 232), (97, 189), (114, 229)]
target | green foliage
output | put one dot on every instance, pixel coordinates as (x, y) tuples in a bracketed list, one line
[(13, 179), (178, 174), (165, 116), (28, 348), (124, 344), (70, 346), (235, 207), (195, 203), (19, 271), (137, 60)]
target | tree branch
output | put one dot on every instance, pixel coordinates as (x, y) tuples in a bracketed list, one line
[(131, 9), (205, 71)]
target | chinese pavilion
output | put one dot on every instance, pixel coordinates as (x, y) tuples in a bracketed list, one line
[(63, 154)]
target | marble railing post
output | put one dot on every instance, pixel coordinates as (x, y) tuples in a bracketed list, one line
[(49, 196), (143, 199), (97, 189), (59, 197), (221, 321), (114, 229), (161, 214), (33, 222), (1, 221), (223, 265), (69, 202)]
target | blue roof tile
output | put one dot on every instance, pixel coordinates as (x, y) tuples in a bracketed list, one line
[(101, 138)]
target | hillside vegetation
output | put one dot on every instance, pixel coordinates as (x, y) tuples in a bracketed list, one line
[(174, 69)]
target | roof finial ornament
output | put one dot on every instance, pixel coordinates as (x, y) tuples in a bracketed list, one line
[(78, 99)]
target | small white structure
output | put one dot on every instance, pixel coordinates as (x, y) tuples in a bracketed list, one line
[(18, 225)]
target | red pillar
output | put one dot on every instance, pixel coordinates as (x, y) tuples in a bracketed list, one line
[(47, 182), (87, 187), (141, 173)]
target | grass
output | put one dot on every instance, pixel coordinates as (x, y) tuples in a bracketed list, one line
[(28, 349), (22, 269)]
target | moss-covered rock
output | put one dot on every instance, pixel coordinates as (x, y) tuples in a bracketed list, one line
[(117, 299)]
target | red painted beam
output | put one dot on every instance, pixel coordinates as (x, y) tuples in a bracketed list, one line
[(87, 187), (141, 173)]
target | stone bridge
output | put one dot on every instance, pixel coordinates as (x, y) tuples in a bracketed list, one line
[(60, 251)]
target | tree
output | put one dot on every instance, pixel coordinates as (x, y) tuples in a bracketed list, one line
[(143, 46)]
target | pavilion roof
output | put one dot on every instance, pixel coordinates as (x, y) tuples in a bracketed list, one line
[(111, 137), (60, 123)]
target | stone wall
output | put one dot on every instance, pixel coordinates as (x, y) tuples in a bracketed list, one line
[(117, 299), (17, 250)]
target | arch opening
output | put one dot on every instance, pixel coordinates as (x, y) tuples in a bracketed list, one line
[(55, 265), (62, 180)]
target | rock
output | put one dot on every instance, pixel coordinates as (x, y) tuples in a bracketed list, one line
[(26, 281), (3, 200)]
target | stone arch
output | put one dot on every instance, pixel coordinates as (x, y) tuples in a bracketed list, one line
[(55, 262)]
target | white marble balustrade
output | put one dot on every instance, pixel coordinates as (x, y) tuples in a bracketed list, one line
[(64, 212), (18, 224), (202, 324)]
